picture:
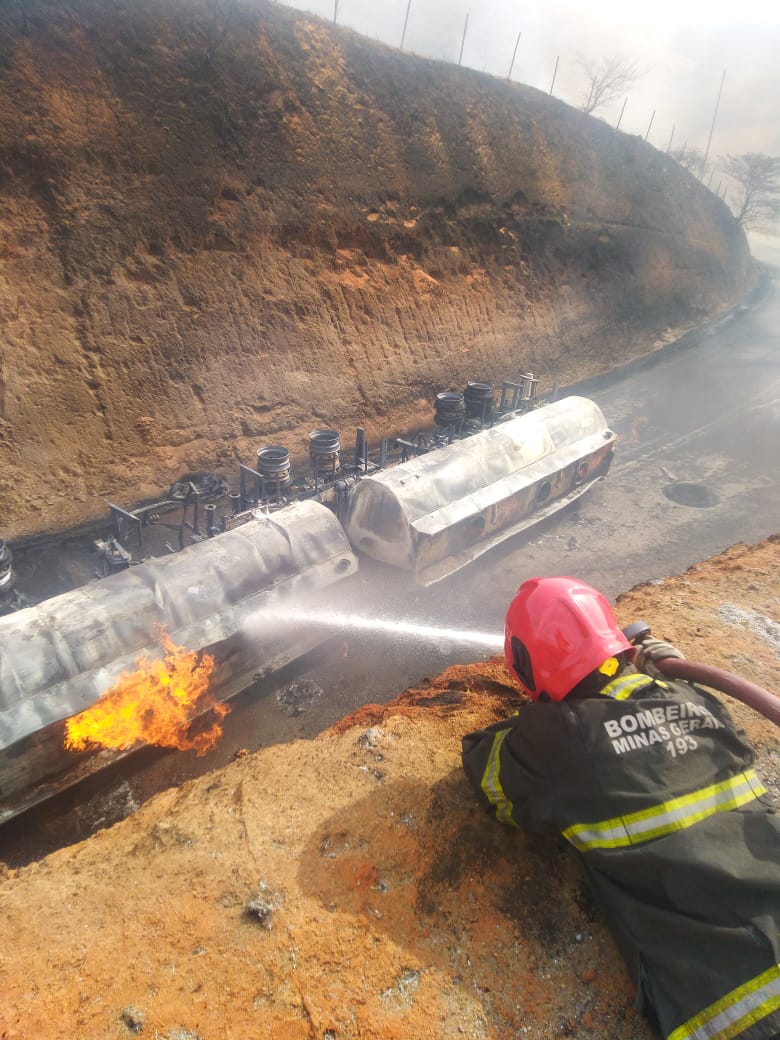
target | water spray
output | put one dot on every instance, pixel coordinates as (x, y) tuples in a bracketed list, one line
[(489, 641)]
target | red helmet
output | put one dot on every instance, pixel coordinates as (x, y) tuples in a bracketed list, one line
[(558, 630)]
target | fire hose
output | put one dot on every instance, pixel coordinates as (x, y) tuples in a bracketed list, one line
[(676, 667)]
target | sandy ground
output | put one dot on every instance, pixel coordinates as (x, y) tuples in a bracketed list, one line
[(349, 886)]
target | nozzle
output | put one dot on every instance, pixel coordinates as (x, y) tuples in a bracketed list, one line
[(636, 632)]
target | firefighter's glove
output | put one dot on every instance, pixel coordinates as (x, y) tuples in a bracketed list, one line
[(651, 650)]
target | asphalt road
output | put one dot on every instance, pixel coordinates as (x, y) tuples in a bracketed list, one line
[(701, 420)]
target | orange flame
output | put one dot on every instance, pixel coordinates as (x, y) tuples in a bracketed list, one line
[(154, 705)]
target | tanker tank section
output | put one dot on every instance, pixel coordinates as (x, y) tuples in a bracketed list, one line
[(435, 514), (59, 657)]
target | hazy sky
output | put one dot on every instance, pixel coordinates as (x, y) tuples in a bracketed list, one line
[(682, 48)]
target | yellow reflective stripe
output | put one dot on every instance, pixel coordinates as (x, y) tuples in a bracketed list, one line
[(491, 782), (666, 817), (621, 688), (732, 1014)]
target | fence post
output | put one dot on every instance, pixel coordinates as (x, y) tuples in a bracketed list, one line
[(463, 41), (712, 128), (555, 73), (406, 22), (652, 117), (514, 55), (622, 110)]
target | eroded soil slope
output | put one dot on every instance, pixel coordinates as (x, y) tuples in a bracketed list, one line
[(225, 224), (349, 886)]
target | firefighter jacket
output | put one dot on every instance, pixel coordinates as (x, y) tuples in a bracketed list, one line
[(654, 786)]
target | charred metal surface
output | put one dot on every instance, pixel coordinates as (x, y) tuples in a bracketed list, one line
[(60, 657), (434, 514)]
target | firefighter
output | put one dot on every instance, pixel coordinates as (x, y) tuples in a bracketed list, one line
[(652, 783)]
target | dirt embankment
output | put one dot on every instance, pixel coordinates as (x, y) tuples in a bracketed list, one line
[(223, 224), (349, 886)]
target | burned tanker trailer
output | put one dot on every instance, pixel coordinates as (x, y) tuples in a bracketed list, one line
[(489, 471), (434, 514), (60, 657)]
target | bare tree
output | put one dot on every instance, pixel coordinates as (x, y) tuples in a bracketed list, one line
[(605, 80), (757, 192)]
